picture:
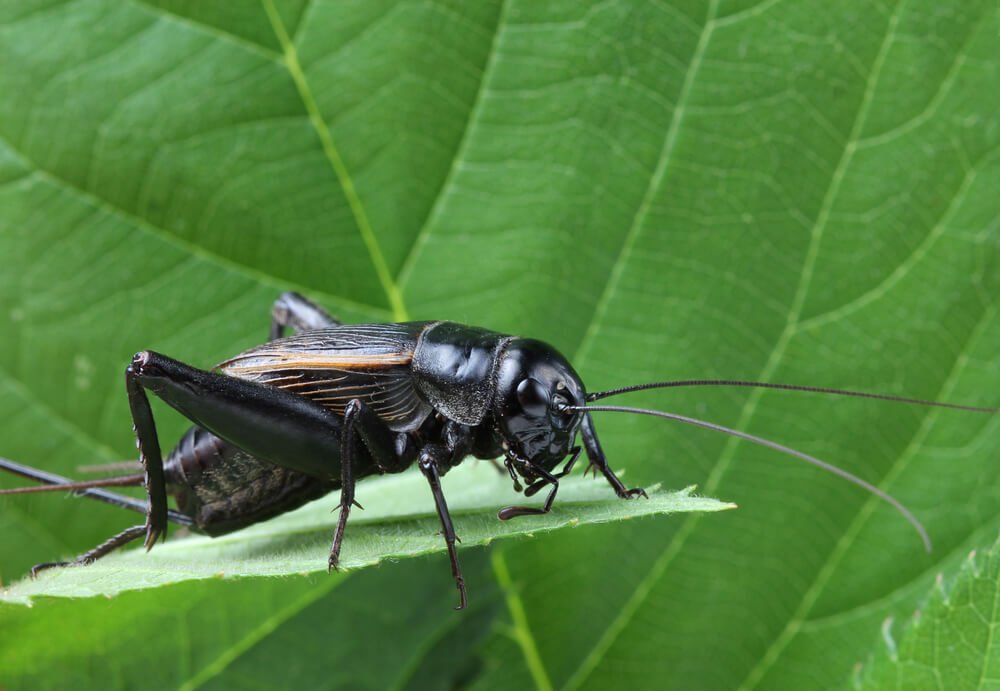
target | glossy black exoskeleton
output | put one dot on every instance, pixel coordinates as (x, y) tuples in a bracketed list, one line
[(293, 419), (297, 417)]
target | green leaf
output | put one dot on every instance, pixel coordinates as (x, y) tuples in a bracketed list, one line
[(399, 522), (949, 642), (128, 637), (799, 192)]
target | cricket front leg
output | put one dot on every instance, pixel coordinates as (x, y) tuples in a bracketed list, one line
[(547, 478), (599, 461)]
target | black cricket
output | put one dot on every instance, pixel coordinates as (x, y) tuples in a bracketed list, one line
[(291, 420)]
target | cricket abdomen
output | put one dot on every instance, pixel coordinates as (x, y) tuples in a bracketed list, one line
[(224, 489)]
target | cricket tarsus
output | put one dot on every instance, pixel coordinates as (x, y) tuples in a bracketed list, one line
[(123, 538)]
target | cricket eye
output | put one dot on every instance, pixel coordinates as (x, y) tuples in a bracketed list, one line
[(532, 397)]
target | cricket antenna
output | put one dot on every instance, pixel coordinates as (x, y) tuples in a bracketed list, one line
[(70, 486), (90, 488), (598, 395), (828, 467)]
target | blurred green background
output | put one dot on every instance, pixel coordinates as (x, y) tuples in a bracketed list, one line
[(800, 192)]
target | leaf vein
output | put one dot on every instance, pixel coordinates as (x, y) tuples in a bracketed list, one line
[(522, 630), (663, 161), (674, 547), (932, 105), (435, 209), (389, 285), (266, 627), (902, 269), (825, 573), (596, 654), (805, 281), (214, 31), (186, 246)]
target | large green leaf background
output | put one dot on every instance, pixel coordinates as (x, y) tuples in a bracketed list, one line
[(791, 191)]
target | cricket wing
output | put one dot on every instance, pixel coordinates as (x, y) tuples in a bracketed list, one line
[(335, 365)]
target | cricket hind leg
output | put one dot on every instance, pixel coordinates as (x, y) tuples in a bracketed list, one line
[(56, 482), (148, 444), (110, 545), (290, 310), (151, 458), (227, 407), (293, 311)]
